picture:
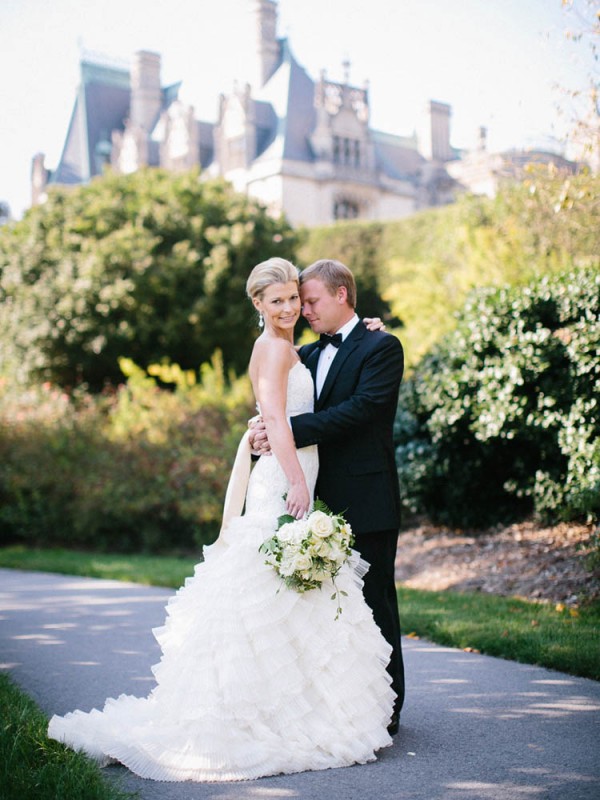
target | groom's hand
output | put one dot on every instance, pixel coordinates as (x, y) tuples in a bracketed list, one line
[(259, 442)]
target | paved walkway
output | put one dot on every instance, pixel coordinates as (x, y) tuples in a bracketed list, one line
[(474, 727)]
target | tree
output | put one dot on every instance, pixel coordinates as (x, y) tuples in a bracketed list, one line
[(150, 266), (580, 106)]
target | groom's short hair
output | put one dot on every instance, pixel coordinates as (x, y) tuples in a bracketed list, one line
[(333, 274)]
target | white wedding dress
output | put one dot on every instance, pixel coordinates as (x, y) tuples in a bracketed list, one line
[(255, 679)]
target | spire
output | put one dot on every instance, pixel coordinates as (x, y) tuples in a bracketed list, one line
[(346, 67)]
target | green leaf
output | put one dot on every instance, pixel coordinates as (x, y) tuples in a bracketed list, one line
[(284, 519), (319, 505)]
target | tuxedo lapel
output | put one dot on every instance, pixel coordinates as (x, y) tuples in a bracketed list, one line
[(310, 358), (346, 348)]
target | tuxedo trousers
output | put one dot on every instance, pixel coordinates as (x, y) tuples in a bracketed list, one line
[(379, 549)]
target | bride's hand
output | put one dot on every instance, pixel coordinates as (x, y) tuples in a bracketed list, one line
[(298, 500), (374, 324)]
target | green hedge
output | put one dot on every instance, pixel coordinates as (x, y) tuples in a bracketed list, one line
[(502, 417), (144, 469), (424, 266)]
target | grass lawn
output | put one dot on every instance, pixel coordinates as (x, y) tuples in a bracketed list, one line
[(533, 633), (552, 636), (148, 570), (33, 766)]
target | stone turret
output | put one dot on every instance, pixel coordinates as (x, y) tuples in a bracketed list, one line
[(267, 45)]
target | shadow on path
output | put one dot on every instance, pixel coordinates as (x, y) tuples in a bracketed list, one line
[(474, 727)]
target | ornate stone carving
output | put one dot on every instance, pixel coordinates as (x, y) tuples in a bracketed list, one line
[(179, 148), (130, 149)]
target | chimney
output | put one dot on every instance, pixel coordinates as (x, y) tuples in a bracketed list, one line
[(145, 89), (435, 139), (267, 45), (39, 179)]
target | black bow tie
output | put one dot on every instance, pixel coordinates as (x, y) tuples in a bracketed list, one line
[(326, 338)]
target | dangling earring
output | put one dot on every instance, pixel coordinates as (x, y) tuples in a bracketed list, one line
[(261, 321)]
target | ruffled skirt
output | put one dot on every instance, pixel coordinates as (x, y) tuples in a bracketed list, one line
[(254, 680)]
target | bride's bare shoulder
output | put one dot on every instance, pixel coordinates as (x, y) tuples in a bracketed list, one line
[(272, 351)]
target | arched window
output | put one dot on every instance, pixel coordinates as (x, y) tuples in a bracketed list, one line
[(345, 209)]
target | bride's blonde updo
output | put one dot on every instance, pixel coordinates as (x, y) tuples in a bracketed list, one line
[(265, 274)]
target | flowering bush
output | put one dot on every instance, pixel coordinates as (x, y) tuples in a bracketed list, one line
[(308, 552)]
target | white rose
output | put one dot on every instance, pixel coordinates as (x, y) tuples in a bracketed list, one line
[(286, 532), (321, 548), (320, 524), (302, 562), (337, 555)]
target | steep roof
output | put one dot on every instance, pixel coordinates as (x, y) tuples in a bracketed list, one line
[(397, 156), (284, 114), (285, 118), (284, 111), (101, 106)]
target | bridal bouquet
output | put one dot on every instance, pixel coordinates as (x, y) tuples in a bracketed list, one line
[(307, 552)]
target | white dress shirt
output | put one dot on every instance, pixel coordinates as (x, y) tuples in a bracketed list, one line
[(329, 353)]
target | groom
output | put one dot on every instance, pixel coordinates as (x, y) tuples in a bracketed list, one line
[(357, 375)]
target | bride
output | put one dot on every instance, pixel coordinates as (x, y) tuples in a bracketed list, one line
[(255, 679)]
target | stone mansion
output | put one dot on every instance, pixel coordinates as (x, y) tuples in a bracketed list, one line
[(302, 146)]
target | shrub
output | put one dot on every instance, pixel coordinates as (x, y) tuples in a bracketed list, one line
[(144, 469), (501, 418)]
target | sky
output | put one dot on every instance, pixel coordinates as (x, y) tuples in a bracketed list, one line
[(496, 62)]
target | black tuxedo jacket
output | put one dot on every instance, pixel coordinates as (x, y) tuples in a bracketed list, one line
[(353, 426)]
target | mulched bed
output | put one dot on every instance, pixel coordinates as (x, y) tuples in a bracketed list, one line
[(524, 560)]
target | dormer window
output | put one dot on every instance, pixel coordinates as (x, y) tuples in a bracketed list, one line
[(336, 149), (346, 151)]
